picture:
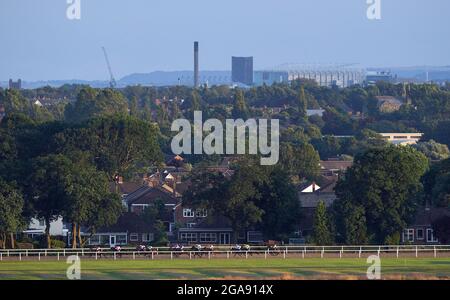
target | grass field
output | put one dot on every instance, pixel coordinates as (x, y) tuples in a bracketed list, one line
[(229, 269)]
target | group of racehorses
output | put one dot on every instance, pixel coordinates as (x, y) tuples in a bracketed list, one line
[(177, 250)]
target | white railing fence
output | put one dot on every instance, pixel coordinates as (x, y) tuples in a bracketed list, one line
[(221, 251)]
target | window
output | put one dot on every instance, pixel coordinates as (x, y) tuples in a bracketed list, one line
[(190, 225), (408, 235), (94, 240), (147, 237), (121, 239), (188, 237), (201, 213), (208, 237), (430, 236), (134, 237), (188, 213), (419, 233), (41, 222)]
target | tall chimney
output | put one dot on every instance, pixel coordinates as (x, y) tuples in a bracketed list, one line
[(196, 72)]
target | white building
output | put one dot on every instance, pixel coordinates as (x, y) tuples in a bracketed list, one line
[(37, 227)]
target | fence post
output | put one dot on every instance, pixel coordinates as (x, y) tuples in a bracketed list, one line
[(379, 250), (134, 255), (228, 254), (114, 255), (82, 252), (26, 252), (435, 254), (152, 255), (1, 256), (303, 254), (265, 254), (20, 256), (171, 255), (7, 252), (39, 255), (284, 254), (321, 253), (64, 252), (246, 254), (397, 251), (45, 253), (417, 250), (360, 251), (209, 255), (190, 254)]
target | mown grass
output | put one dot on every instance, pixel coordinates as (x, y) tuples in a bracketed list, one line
[(276, 268)]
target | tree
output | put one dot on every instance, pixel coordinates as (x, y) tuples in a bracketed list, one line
[(47, 190), (89, 201), (11, 205), (321, 228), (437, 184), (386, 184), (255, 195), (93, 103), (352, 228), (116, 144), (433, 150), (240, 110), (302, 103), (302, 160)]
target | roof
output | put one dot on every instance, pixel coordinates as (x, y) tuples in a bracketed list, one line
[(148, 195), (126, 187), (389, 99), (335, 165), (129, 222), (426, 216)]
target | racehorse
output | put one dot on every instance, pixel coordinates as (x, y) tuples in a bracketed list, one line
[(144, 249), (239, 250), (177, 250), (117, 250)]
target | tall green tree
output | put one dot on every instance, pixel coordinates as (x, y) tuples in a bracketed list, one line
[(322, 228), (302, 102), (385, 183), (240, 109), (93, 103), (117, 144), (47, 190), (11, 205)]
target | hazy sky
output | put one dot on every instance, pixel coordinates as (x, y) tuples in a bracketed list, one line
[(38, 42)]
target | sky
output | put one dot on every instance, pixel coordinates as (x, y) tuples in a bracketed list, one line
[(39, 42)]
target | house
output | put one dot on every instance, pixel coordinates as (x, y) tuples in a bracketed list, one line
[(315, 112), (129, 229), (309, 196), (334, 166), (420, 232), (195, 226), (37, 228), (388, 104), (402, 138)]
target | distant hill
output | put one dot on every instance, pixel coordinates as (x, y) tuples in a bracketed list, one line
[(157, 78)]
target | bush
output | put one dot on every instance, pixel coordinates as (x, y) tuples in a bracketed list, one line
[(57, 244)]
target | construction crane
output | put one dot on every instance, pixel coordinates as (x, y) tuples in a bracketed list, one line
[(112, 81)]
